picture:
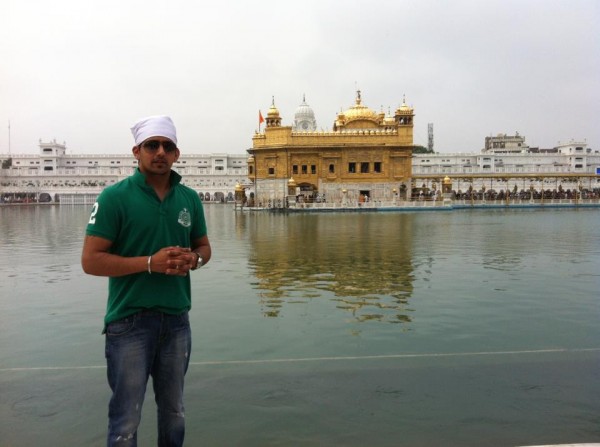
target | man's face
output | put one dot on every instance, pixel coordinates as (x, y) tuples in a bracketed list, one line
[(156, 155)]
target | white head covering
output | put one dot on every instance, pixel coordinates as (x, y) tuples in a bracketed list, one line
[(154, 126)]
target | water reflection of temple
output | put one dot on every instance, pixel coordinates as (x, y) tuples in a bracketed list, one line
[(360, 263)]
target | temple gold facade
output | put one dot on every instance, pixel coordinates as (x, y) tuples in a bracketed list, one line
[(367, 156)]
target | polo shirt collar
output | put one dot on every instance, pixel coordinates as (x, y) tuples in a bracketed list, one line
[(140, 178)]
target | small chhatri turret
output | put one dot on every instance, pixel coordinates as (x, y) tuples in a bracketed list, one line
[(273, 118), (404, 114)]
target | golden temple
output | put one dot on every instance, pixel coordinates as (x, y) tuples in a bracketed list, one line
[(366, 155)]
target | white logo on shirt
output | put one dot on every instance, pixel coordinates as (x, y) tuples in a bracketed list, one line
[(185, 218)]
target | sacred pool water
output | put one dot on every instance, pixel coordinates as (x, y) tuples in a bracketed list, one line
[(454, 328)]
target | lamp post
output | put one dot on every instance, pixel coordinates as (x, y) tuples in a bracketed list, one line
[(239, 196), (291, 192), (471, 191), (531, 193), (447, 190), (253, 166)]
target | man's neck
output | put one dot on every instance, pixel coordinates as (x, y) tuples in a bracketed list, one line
[(161, 183)]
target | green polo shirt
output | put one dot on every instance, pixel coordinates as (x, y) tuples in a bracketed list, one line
[(138, 223)]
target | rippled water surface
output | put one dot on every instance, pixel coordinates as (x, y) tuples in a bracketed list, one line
[(418, 329)]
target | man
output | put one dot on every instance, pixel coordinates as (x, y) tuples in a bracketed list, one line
[(147, 233)]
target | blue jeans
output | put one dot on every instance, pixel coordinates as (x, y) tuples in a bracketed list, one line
[(142, 345)]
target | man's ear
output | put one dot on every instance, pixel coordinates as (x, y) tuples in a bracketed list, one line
[(136, 152)]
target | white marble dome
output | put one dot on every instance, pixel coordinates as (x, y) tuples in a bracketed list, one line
[(304, 118)]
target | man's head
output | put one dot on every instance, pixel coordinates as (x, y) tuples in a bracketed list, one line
[(154, 126), (155, 144)]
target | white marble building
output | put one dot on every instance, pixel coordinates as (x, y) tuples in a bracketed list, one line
[(78, 178)]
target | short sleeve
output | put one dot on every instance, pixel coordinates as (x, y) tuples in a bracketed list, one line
[(104, 218), (199, 225)]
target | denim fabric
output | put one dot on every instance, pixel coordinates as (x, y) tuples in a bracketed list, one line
[(142, 345)]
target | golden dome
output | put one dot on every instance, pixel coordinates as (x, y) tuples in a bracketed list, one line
[(389, 119), (273, 111), (238, 187), (359, 111), (404, 108)]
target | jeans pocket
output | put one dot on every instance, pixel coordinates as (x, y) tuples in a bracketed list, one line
[(184, 318), (120, 327), (181, 322)]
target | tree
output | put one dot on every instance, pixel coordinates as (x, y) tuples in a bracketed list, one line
[(6, 163), (422, 150)]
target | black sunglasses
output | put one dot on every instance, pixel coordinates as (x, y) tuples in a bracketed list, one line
[(153, 145)]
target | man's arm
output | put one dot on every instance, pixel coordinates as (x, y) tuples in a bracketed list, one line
[(96, 260), (202, 247)]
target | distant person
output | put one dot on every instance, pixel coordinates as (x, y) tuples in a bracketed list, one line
[(147, 233)]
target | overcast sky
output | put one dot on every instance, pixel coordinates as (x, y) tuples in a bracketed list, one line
[(83, 71)]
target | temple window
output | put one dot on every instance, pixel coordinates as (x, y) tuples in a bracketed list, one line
[(295, 169), (377, 166), (352, 167), (364, 167)]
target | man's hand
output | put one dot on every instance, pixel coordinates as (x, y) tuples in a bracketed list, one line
[(176, 261)]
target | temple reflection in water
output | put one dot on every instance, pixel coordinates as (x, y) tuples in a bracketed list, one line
[(360, 262)]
